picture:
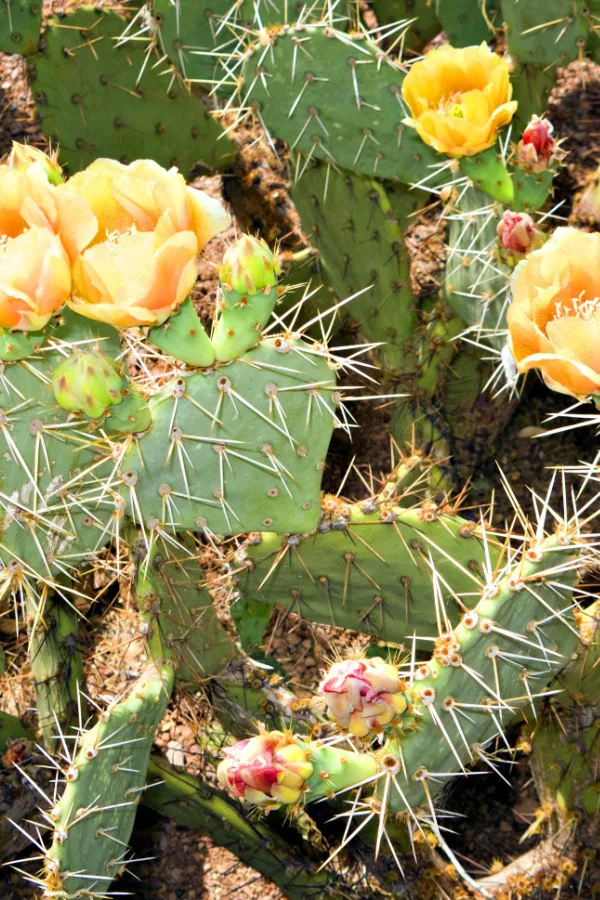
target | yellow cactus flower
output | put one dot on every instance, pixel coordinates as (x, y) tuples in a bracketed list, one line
[(554, 317), (459, 98), (35, 279), (146, 196), (134, 278), (28, 200)]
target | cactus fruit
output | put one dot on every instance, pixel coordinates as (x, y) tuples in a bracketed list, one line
[(87, 382), (248, 280)]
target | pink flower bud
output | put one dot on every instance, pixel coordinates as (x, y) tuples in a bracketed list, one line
[(537, 148), (266, 770), (363, 695), (518, 233)]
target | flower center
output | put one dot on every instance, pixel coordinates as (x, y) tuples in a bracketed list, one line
[(580, 307)]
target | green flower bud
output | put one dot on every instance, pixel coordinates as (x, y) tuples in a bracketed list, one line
[(87, 382), (249, 267)]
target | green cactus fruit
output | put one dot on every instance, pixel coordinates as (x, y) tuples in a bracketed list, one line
[(92, 100), (20, 26), (183, 337), (368, 567), (248, 279), (338, 100), (87, 382), (255, 433), (103, 783), (488, 172), (56, 665)]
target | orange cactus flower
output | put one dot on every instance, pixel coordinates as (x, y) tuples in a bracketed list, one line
[(554, 317), (29, 200), (459, 98), (35, 279), (146, 196), (134, 279)]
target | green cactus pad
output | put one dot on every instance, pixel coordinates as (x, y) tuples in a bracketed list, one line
[(182, 622), (237, 448), (469, 22), (20, 26), (476, 283), (338, 100), (489, 174), (56, 665), (198, 39), (424, 26), (15, 345), (89, 101), (103, 788), (546, 34), (261, 844), (183, 337), (368, 570), (357, 224)]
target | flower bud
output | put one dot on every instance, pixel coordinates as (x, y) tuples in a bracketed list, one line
[(518, 234), (266, 770), (363, 695), (22, 156), (87, 382), (249, 267), (537, 149)]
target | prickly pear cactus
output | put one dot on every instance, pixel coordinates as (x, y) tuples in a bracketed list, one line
[(183, 464)]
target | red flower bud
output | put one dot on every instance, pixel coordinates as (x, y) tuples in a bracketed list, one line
[(537, 148), (267, 770), (363, 695), (518, 232)]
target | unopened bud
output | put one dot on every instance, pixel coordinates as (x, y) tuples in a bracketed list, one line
[(22, 156), (363, 695), (87, 382), (266, 770), (249, 266), (518, 234), (537, 149)]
